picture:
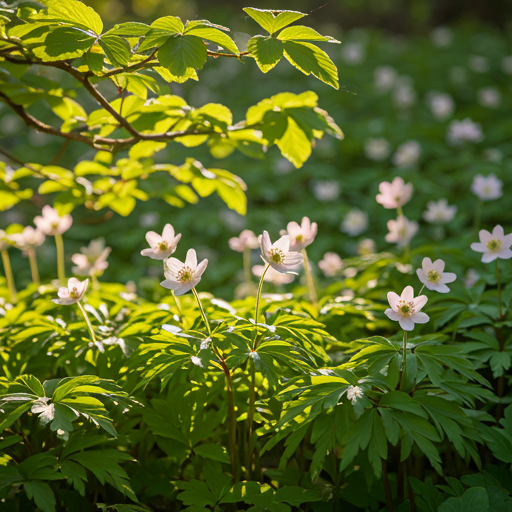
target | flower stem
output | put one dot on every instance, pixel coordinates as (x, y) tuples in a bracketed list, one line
[(8, 275), (498, 277), (309, 278), (95, 282), (250, 421), (247, 264), (33, 266), (399, 211), (205, 319), (177, 302), (60, 259), (91, 330), (258, 296), (419, 293), (404, 364)]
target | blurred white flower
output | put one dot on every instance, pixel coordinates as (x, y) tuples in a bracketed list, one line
[(283, 166), (366, 246), (278, 255), (441, 105), (52, 223), (401, 231), (303, 235), (92, 260), (354, 393), (493, 155), (182, 277), (493, 245), (407, 154), (4, 240), (355, 222), (406, 309), (384, 78), (394, 194), (487, 188), (247, 239), (404, 94), (489, 97), (326, 190), (471, 278), (330, 264), (439, 212), (479, 63), (72, 293), (28, 238), (161, 247), (458, 75), (506, 64), (432, 275), (464, 131), (353, 53), (272, 276), (442, 37), (377, 149), (148, 220), (233, 220)]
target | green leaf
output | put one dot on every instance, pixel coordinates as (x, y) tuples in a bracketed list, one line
[(403, 402), (294, 144), (267, 51), (180, 53), (95, 62), (171, 24), (271, 20), (213, 452), (301, 33), (116, 49), (500, 362), (64, 43), (129, 29), (214, 36), (42, 495), (474, 499)]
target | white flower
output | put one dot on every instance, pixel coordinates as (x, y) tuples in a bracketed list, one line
[(246, 239), (45, 410), (331, 264), (384, 78), (355, 222), (494, 245), (394, 194), (272, 276), (489, 97), (147, 220), (479, 63), (326, 190), (161, 246), (487, 188), (471, 278), (182, 277), (28, 238), (404, 94), (440, 212), (354, 393), (92, 260), (51, 223), (464, 131), (303, 235), (4, 240), (506, 64), (278, 255), (197, 361), (441, 37), (72, 293), (401, 231), (366, 246), (433, 277), (377, 149), (353, 53), (441, 105), (407, 154), (406, 310)]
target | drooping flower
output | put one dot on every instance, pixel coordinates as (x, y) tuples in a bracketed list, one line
[(278, 255), (303, 235), (331, 264), (92, 260), (439, 212), (493, 245), (463, 131), (161, 247), (72, 293), (406, 309), (432, 275), (354, 393), (394, 194), (355, 222), (377, 149), (182, 277), (487, 188), (28, 238), (441, 105), (51, 223), (272, 276), (401, 231), (247, 239), (407, 154)]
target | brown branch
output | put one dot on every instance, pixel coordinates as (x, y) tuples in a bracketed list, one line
[(129, 69)]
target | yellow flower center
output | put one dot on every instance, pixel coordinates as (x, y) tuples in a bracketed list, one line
[(405, 308), (74, 293), (433, 276), (185, 274), (299, 239), (276, 255), (162, 246), (494, 245)]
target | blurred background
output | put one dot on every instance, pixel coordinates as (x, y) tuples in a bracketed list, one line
[(408, 71)]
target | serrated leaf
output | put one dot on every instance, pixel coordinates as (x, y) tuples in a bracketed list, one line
[(294, 144), (116, 49), (64, 43), (42, 495), (130, 29), (301, 33), (271, 20), (180, 53), (267, 51), (94, 61), (214, 36)]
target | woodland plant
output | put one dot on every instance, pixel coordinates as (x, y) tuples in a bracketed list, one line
[(150, 400)]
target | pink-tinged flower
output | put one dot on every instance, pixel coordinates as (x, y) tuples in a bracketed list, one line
[(73, 293), (247, 239), (271, 275), (407, 154), (401, 231), (51, 223), (301, 236), (331, 264), (278, 255), (440, 212), (432, 275), (406, 309), (182, 277), (92, 260), (394, 194), (28, 238), (161, 247), (463, 131), (494, 245), (487, 188)]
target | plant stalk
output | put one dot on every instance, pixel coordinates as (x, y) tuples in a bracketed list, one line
[(61, 269), (498, 277), (177, 302), (309, 278), (250, 421), (89, 325), (205, 319), (404, 363), (33, 265), (387, 488), (8, 275), (256, 314)]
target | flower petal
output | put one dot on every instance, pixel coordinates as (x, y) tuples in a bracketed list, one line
[(200, 268), (420, 318), (168, 233), (170, 285), (293, 229), (489, 256), (153, 238), (478, 247), (505, 254), (172, 266), (421, 276), (191, 260), (406, 323), (408, 294), (65, 302), (392, 315), (484, 236), (151, 254), (265, 244), (283, 243), (498, 232), (426, 264), (442, 288), (448, 277), (439, 265), (393, 299), (419, 302)]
